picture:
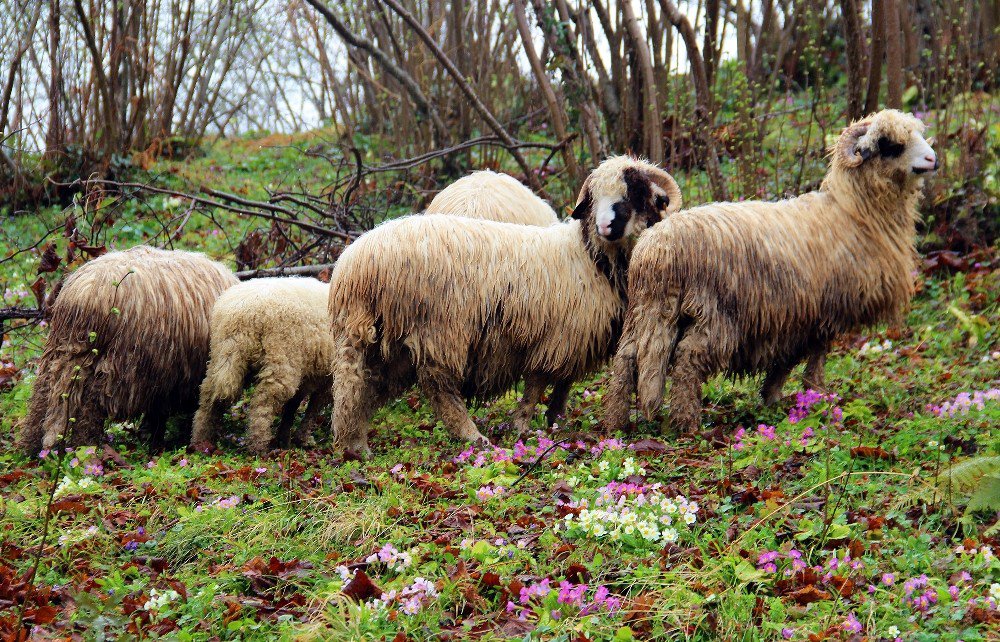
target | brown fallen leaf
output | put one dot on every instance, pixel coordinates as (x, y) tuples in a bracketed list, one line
[(808, 595)]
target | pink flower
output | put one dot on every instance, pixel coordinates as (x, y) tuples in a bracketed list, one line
[(888, 579), (851, 624), (787, 633), (182, 463)]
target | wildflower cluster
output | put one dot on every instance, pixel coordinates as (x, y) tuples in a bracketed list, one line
[(811, 402), (410, 600), (542, 600), (489, 492), (637, 516), (220, 502), (69, 486), (875, 347), (391, 556), (520, 453), (159, 599), (965, 402)]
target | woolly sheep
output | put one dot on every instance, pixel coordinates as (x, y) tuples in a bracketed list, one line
[(128, 337), (467, 307), (500, 197), (493, 197), (755, 287), (279, 330)]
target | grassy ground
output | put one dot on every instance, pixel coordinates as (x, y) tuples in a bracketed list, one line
[(841, 517)]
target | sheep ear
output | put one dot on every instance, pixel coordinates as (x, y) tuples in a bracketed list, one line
[(584, 202), (667, 183), (847, 145)]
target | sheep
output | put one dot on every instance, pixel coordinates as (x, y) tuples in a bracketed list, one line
[(753, 287), (128, 337), (500, 197), (278, 328), (493, 197), (465, 308)]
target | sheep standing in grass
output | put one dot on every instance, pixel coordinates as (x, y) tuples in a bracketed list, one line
[(466, 308), (277, 330), (493, 197), (128, 337), (499, 197), (747, 288)]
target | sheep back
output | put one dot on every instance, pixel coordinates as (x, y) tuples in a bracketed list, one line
[(494, 197)]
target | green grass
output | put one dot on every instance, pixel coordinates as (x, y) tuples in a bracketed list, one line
[(241, 548)]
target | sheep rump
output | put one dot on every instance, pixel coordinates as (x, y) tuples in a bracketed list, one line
[(457, 305), (493, 196), (752, 287), (128, 337), (278, 331)]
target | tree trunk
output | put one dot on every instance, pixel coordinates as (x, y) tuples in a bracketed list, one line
[(851, 21), (652, 127), (893, 56), (555, 110), (103, 87), (54, 131), (875, 60), (702, 98)]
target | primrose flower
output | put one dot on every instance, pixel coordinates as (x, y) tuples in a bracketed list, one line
[(851, 624), (892, 631), (995, 590)]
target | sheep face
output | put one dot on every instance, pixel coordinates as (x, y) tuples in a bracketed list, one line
[(624, 196), (891, 144)]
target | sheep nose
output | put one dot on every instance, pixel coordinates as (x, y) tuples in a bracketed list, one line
[(931, 158)]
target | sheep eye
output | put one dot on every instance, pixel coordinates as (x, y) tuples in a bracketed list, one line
[(889, 149), (662, 202)]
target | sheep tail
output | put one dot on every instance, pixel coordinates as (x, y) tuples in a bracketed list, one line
[(656, 332)]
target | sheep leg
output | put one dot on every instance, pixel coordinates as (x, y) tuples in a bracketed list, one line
[(814, 377), (288, 418), (770, 390), (351, 393), (557, 402), (154, 426), (319, 399), (534, 387), (690, 372), (655, 333), (222, 385), (269, 398), (206, 421), (443, 391)]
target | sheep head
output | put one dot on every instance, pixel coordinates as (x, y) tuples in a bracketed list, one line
[(890, 143), (624, 196)]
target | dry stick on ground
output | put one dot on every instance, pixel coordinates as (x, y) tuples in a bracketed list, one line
[(510, 144)]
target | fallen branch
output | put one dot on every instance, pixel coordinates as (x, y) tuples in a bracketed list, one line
[(22, 314), (298, 270)]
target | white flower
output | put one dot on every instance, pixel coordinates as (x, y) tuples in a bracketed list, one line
[(995, 590), (892, 631), (689, 518), (669, 535), (603, 466)]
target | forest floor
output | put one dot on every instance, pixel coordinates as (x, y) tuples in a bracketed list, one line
[(870, 513)]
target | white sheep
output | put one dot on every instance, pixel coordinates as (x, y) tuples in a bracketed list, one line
[(465, 307), (278, 331), (753, 287), (493, 197)]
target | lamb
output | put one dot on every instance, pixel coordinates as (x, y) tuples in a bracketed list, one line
[(493, 197), (128, 337), (279, 330), (465, 307), (748, 288)]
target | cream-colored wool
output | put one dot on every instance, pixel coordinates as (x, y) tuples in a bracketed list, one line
[(753, 287), (128, 337), (467, 307), (277, 330), (493, 197)]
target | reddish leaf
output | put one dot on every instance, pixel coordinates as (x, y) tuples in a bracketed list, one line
[(38, 289), (68, 506), (361, 588), (649, 447), (871, 452), (808, 595), (50, 260)]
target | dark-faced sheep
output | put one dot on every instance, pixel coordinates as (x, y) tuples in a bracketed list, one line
[(748, 288), (466, 307), (128, 337)]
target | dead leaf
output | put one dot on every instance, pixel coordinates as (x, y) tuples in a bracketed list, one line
[(361, 588), (50, 260)]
